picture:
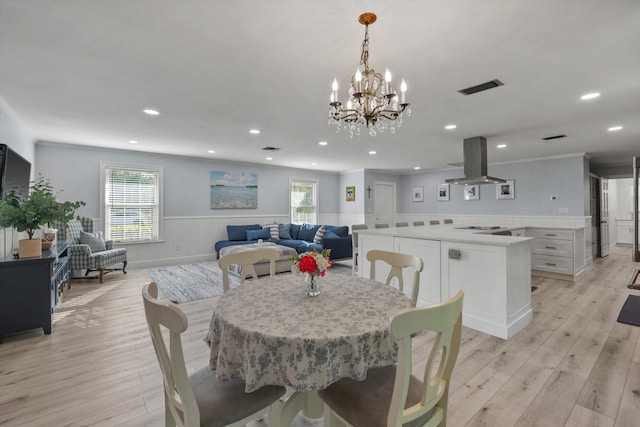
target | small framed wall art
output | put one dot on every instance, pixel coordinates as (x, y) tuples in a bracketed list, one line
[(351, 194), (443, 192), (472, 192), (505, 191), (418, 194)]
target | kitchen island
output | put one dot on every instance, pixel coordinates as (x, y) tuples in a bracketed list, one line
[(493, 270)]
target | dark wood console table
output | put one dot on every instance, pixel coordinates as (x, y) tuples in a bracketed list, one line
[(30, 289)]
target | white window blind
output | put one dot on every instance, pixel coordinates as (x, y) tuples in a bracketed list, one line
[(303, 196), (132, 203)]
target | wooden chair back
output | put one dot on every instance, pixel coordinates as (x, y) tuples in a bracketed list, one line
[(445, 319), (398, 262), (246, 261), (180, 401)]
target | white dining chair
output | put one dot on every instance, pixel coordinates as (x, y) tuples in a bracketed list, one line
[(245, 261), (392, 396), (354, 251), (200, 399), (397, 262)]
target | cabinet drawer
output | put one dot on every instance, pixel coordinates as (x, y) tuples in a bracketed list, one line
[(550, 234), (563, 248), (551, 263)]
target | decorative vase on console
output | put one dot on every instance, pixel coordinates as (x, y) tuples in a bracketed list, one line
[(313, 265)]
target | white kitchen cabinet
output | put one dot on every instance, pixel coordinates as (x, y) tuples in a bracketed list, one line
[(429, 252), (624, 227), (558, 251)]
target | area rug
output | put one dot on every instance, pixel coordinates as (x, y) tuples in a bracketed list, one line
[(191, 282), (630, 313)]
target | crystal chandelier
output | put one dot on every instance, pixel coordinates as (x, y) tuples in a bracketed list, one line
[(372, 101)]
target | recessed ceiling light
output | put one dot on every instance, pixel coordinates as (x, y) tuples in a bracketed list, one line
[(269, 158), (372, 152), (322, 143), (450, 127), (614, 128), (131, 141), (416, 167), (501, 146), (150, 112), (590, 96), (211, 151), (254, 131)]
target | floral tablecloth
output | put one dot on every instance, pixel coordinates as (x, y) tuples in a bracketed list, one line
[(270, 332)]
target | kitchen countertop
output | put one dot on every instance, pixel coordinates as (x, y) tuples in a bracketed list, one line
[(449, 232)]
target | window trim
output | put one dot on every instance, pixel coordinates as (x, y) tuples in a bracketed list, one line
[(316, 196), (134, 167)]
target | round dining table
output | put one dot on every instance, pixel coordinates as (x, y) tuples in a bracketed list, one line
[(269, 332)]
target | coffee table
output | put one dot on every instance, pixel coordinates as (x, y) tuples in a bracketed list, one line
[(283, 264)]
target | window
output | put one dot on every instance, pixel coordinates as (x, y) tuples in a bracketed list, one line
[(131, 197), (303, 201)]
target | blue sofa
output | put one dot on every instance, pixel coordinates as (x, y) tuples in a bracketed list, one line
[(296, 236)]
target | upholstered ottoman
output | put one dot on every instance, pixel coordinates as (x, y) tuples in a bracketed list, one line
[(283, 263)]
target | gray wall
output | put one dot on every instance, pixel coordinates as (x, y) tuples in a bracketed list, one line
[(535, 182), (186, 180)]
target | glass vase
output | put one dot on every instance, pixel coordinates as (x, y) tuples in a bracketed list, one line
[(313, 289)]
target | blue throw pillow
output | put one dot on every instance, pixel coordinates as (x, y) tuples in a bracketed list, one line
[(295, 230), (239, 232), (284, 230), (308, 232), (263, 233), (336, 231)]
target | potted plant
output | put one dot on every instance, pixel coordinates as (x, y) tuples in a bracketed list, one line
[(41, 207)]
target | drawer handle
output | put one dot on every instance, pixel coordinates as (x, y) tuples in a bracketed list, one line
[(549, 234), (550, 264), (550, 247)]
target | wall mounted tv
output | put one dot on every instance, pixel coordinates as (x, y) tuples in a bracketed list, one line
[(15, 172)]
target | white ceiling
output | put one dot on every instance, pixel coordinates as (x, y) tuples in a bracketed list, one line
[(81, 71)]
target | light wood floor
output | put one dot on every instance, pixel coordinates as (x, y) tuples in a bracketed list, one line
[(574, 365)]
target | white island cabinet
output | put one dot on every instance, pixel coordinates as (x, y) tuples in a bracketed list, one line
[(494, 272)]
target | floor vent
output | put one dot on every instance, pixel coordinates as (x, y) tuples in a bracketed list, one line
[(481, 87), (549, 138)]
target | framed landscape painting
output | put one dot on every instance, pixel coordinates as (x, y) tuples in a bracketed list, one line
[(234, 190)]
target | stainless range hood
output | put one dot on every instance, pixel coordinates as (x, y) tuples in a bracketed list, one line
[(475, 164)]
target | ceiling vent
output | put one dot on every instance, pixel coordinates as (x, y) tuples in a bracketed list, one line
[(268, 148), (481, 87), (549, 138)]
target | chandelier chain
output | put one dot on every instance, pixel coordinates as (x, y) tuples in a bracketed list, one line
[(364, 57)]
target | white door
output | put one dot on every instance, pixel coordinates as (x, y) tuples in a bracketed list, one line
[(385, 203), (604, 217)]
